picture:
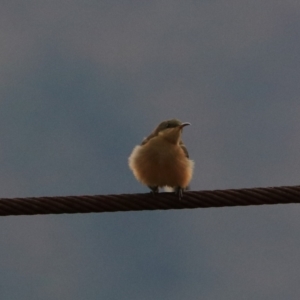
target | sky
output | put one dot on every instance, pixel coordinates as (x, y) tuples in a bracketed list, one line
[(83, 82)]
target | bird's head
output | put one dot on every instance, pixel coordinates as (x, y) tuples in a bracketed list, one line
[(171, 130)]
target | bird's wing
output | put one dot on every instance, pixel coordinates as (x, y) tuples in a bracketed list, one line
[(145, 140), (183, 147)]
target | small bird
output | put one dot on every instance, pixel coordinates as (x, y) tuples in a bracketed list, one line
[(162, 159)]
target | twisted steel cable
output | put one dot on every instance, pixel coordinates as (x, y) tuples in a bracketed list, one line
[(136, 202)]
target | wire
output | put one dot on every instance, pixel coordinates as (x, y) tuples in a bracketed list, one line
[(137, 202)]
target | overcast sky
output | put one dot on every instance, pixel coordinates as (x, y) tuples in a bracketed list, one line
[(83, 82)]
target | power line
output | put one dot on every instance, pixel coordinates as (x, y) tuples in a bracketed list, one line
[(137, 202)]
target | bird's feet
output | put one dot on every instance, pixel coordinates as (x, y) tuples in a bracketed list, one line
[(154, 190), (179, 192)]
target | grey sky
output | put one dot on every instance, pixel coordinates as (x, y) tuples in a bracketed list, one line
[(82, 82)]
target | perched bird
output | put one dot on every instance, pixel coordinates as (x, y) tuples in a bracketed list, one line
[(162, 159)]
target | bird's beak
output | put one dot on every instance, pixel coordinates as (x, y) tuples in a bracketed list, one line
[(184, 124)]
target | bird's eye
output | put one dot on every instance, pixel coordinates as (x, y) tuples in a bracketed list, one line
[(167, 125)]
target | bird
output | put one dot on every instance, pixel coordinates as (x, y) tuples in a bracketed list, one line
[(162, 159)]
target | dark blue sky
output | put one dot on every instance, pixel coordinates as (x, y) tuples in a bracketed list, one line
[(83, 82)]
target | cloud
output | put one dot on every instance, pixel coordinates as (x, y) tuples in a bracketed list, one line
[(82, 82)]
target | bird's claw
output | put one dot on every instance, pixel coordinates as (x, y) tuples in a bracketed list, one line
[(154, 190), (179, 192)]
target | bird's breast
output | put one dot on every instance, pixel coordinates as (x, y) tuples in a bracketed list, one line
[(160, 163)]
